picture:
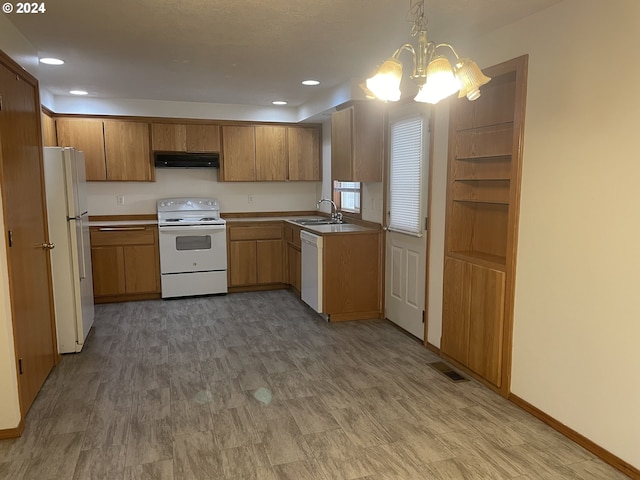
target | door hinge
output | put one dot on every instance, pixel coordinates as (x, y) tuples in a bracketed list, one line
[(0, 103), (10, 238), (422, 316), (20, 366)]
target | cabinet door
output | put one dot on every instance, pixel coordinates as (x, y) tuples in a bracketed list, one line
[(141, 270), (271, 153), (242, 263), (238, 154), (304, 153), (168, 137), (486, 322), (203, 138), (368, 145), (294, 262), (127, 151), (86, 135), (455, 310), (342, 145), (108, 271), (270, 261), (49, 137)]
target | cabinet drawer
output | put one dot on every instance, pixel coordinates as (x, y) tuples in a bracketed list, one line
[(106, 236), (264, 232)]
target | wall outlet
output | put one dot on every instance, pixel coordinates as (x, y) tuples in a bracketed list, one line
[(250, 198), (120, 199)]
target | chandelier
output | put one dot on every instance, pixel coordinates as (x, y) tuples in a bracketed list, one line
[(432, 72)]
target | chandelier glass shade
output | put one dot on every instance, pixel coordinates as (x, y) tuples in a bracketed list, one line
[(432, 72)]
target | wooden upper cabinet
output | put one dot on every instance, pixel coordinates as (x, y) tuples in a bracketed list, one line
[(178, 137), (238, 154), (203, 138), (86, 135), (271, 153), (49, 137), (127, 151), (304, 153), (168, 137), (357, 135)]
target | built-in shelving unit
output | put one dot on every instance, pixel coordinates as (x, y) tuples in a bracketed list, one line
[(485, 150)]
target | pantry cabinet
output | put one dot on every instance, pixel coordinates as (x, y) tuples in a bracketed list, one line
[(114, 150), (49, 137), (125, 263), (357, 143), (256, 255), (180, 137), (485, 158)]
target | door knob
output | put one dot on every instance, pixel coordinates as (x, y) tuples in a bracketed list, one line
[(48, 246)]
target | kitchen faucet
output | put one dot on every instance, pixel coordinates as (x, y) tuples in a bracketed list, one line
[(335, 215)]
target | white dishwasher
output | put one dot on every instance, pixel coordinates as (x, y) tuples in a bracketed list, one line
[(311, 270)]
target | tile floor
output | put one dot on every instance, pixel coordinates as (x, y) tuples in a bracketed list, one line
[(256, 386)]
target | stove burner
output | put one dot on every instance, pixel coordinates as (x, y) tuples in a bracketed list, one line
[(208, 219), (173, 220)]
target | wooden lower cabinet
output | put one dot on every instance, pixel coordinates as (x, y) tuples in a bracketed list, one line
[(125, 263), (351, 276), (293, 262), (256, 255), (473, 317), (294, 266)]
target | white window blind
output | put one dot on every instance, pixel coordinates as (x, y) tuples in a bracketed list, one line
[(405, 184)]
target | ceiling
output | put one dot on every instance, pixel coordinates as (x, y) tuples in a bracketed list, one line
[(237, 52)]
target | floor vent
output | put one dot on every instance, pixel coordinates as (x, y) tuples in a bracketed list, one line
[(449, 372)]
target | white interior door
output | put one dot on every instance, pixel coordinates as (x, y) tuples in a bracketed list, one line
[(405, 282), (406, 251)]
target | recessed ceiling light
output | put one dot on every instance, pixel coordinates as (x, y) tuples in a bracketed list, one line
[(52, 61), (310, 82), (279, 102), (78, 92)]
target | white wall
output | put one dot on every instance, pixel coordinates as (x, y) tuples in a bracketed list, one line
[(577, 318), (437, 221), (141, 197)]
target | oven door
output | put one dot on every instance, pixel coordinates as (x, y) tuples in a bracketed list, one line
[(193, 248)]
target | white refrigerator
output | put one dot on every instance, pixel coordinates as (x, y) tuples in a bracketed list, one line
[(66, 193)]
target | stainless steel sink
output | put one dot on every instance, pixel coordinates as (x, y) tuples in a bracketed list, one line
[(315, 221)]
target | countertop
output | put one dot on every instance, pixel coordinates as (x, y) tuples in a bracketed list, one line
[(317, 229)]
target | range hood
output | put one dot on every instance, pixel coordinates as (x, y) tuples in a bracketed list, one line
[(186, 160)]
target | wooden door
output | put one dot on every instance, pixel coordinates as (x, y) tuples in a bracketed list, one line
[(141, 269), (304, 153), (455, 310), (168, 137), (238, 154), (271, 153), (86, 135), (108, 271), (270, 259), (342, 145), (294, 258), (242, 263), (49, 137), (127, 151), (203, 138), (23, 200), (486, 322)]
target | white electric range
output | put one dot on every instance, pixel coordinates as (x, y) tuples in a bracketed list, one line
[(193, 247)]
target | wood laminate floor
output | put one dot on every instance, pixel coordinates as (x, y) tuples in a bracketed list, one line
[(257, 386)]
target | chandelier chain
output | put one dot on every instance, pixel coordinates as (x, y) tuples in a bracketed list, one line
[(417, 17)]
